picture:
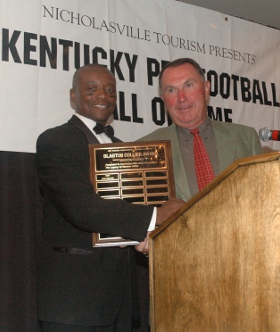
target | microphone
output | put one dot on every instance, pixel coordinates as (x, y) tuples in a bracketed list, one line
[(266, 134)]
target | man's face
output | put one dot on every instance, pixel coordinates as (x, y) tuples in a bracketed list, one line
[(185, 95), (94, 93)]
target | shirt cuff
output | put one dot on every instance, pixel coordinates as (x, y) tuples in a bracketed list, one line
[(153, 220)]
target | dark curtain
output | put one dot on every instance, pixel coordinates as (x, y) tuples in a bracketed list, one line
[(20, 233)]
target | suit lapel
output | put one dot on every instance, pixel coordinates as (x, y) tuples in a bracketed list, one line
[(76, 122), (223, 142), (182, 185), (116, 140)]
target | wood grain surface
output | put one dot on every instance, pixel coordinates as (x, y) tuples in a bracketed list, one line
[(215, 264)]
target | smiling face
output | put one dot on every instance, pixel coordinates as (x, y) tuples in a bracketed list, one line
[(185, 95), (94, 93)]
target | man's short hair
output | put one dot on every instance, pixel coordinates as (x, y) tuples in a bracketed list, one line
[(180, 62)]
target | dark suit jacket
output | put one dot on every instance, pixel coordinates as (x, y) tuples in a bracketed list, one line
[(233, 141), (81, 289)]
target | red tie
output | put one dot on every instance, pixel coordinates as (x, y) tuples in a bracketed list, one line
[(203, 168)]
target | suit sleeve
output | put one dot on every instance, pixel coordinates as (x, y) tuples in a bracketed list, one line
[(256, 145), (63, 168)]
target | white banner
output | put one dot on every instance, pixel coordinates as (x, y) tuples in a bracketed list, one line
[(43, 42)]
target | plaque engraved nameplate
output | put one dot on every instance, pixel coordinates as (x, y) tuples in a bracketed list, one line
[(138, 172)]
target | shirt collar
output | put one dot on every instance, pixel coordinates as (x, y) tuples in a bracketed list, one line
[(204, 129), (88, 122), (102, 138)]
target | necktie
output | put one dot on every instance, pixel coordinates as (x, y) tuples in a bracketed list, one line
[(108, 130), (203, 168)]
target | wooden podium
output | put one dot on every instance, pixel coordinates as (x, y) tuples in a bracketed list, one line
[(215, 264)]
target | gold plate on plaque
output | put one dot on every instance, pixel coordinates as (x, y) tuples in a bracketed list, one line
[(138, 172)]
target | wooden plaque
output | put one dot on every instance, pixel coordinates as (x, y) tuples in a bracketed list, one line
[(138, 172)]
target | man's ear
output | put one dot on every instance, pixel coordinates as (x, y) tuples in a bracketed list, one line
[(72, 95), (72, 98), (207, 89)]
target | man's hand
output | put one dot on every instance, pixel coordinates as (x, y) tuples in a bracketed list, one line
[(167, 209), (144, 245), (163, 212)]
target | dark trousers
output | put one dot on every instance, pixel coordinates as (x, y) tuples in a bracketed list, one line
[(54, 327), (123, 322)]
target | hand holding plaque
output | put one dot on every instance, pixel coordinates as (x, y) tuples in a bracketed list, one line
[(139, 172), (143, 247)]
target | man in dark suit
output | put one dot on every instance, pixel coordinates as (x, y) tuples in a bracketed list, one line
[(83, 288), (185, 94)]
